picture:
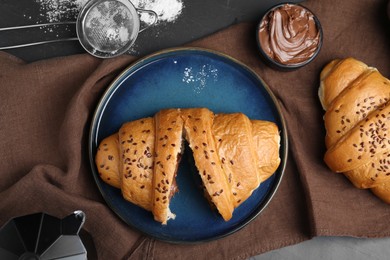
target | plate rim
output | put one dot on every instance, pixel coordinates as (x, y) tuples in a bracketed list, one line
[(283, 132)]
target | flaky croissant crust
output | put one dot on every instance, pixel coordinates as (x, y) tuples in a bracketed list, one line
[(232, 153), (356, 99)]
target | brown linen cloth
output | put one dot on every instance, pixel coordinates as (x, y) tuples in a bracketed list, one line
[(46, 108)]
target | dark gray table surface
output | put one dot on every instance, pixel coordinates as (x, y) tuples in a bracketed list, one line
[(198, 19)]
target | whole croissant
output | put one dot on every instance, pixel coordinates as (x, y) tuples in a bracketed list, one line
[(232, 154), (357, 122)]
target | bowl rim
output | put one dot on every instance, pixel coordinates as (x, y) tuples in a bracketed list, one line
[(273, 63)]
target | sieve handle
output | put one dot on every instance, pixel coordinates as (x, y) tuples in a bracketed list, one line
[(150, 12), (34, 26), (35, 43)]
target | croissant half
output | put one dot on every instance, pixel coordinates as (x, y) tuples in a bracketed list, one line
[(233, 156), (357, 122)]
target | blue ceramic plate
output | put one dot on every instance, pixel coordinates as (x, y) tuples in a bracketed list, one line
[(186, 78)]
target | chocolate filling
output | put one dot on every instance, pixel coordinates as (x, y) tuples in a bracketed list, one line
[(174, 187)]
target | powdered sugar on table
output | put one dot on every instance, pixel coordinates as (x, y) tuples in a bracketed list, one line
[(168, 11), (52, 11)]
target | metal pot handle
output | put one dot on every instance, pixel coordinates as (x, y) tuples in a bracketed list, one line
[(72, 224)]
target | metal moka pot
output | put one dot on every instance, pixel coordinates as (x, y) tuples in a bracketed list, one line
[(40, 237)]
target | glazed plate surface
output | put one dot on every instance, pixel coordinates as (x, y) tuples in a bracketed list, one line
[(182, 78)]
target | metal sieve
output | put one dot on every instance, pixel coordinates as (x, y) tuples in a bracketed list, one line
[(108, 28), (105, 28)]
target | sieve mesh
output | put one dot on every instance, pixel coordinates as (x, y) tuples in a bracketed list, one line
[(109, 26)]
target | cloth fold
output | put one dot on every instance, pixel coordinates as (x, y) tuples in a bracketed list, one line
[(46, 108)]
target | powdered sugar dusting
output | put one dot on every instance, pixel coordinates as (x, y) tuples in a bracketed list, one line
[(199, 77), (59, 10), (167, 10), (52, 11), (67, 10)]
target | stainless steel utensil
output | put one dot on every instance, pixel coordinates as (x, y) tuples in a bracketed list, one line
[(105, 28), (42, 236)]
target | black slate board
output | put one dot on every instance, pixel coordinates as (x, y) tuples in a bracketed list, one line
[(199, 18)]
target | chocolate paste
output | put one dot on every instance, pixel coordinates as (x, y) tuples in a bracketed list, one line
[(289, 34)]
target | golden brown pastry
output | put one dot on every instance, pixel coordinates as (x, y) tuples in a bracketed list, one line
[(382, 191), (336, 76), (235, 146), (232, 153), (107, 161), (371, 173), (357, 121), (367, 139), (365, 94), (198, 132), (136, 143), (168, 150), (266, 139)]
